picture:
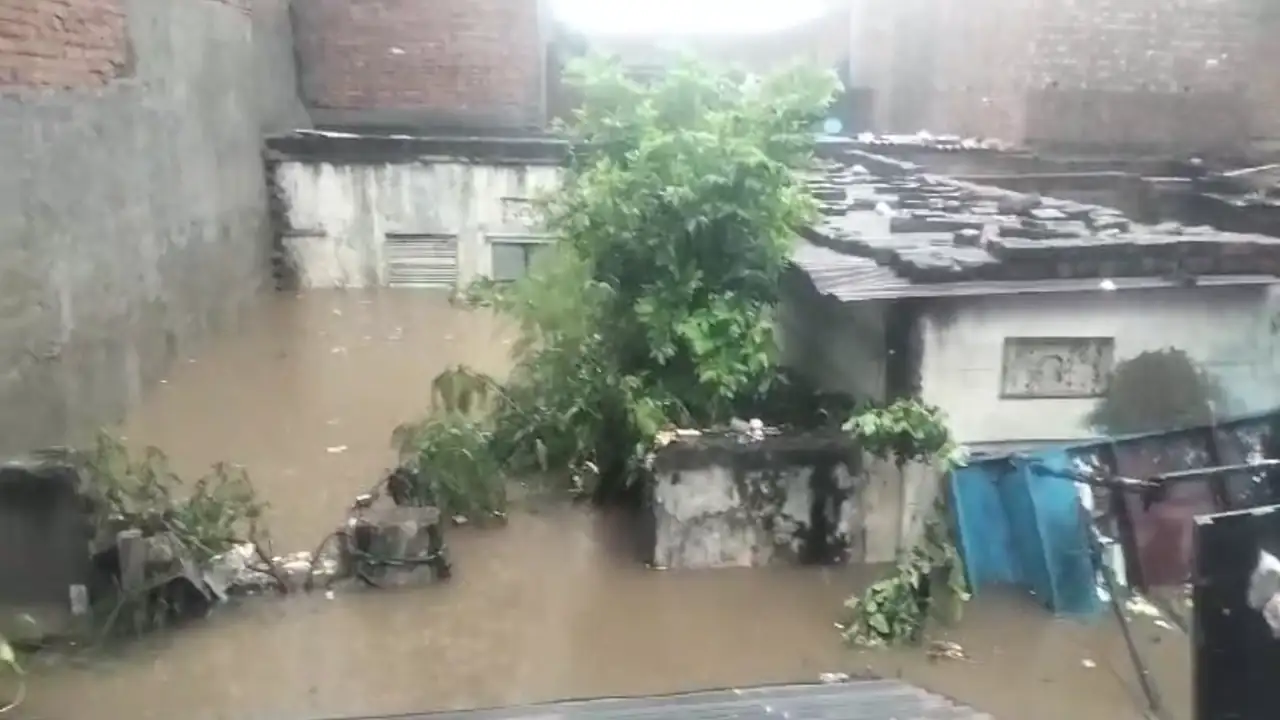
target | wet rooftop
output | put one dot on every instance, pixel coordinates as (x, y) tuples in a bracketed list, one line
[(890, 230)]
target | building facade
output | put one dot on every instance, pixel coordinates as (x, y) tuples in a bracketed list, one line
[(1011, 312)]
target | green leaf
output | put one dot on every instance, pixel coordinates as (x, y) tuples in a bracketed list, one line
[(878, 623)]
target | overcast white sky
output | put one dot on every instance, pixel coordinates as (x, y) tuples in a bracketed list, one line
[(686, 16)]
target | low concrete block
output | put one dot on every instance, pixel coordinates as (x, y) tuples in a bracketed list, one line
[(730, 501)]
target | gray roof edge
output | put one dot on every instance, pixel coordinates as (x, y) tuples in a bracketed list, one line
[(1035, 287)]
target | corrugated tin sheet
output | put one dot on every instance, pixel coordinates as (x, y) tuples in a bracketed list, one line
[(858, 700), (851, 278)]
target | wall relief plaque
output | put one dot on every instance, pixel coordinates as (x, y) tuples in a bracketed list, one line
[(1072, 367)]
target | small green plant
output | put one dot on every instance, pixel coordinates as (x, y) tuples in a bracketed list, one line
[(906, 431), (449, 453), (208, 518), (928, 582), (452, 465), (929, 577), (462, 391)]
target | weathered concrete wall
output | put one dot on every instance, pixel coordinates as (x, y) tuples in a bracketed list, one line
[(719, 502), (351, 225), (961, 353), (133, 204), (1226, 330)]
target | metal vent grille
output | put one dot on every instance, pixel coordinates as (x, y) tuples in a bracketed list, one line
[(422, 260)]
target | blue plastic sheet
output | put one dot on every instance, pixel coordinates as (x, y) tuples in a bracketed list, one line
[(1023, 528)]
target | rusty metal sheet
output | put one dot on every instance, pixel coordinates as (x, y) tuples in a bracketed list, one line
[(1163, 529)]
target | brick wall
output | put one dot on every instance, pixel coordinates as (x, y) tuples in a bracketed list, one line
[(62, 43), (1141, 73), (423, 61), (1150, 74)]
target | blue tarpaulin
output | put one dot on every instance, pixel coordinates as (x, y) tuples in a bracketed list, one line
[(1023, 528)]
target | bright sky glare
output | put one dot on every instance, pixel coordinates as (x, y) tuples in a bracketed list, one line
[(686, 16)]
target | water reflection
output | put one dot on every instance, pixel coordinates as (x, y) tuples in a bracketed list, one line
[(551, 607)]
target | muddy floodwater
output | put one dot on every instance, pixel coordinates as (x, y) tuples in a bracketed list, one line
[(552, 606)]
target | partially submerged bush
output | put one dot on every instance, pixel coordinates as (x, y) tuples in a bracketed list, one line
[(218, 511), (452, 465), (928, 583), (448, 456)]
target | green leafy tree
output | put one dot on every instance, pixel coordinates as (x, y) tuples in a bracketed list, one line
[(675, 222), (683, 202)]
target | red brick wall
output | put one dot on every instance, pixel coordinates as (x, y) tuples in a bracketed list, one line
[(462, 60), (1141, 72), (61, 43)]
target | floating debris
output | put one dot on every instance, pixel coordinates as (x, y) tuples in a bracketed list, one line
[(337, 449), (945, 650), (834, 678), (1089, 664), (1139, 605)]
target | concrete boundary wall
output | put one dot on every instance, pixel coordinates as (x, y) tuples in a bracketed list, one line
[(134, 214)]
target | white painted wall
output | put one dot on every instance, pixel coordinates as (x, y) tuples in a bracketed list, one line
[(339, 215), (1227, 329)]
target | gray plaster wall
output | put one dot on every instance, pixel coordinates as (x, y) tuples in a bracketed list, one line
[(784, 500), (134, 218)]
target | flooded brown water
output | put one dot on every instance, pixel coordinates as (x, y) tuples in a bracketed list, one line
[(550, 607)]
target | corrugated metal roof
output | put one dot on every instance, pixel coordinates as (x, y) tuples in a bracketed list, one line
[(857, 700), (851, 278)]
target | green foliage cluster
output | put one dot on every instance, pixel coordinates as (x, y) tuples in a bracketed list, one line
[(449, 451), (905, 431), (930, 576), (928, 582), (208, 517), (656, 305), (1157, 390)]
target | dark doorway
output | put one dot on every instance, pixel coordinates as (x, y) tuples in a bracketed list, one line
[(1237, 658)]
